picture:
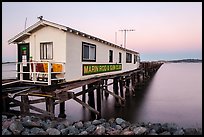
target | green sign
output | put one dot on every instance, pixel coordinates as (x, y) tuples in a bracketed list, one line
[(23, 48), (100, 68)]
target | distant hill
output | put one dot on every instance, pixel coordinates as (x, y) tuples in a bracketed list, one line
[(186, 61)]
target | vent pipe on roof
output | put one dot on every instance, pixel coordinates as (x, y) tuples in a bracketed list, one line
[(40, 17)]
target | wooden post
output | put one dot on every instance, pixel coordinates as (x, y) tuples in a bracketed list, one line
[(115, 89), (84, 94), (25, 100), (127, 91), (50, 104), (91, 101), (121, 83), (106, 87), (133, 84), (62, 110), (99, 101), (5, 103), (101, 88), (138, 78)]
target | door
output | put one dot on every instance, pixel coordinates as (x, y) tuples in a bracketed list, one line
[(23, 56)]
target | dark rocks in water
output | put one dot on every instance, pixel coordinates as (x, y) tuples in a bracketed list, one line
[(32, 125), (193, 131), (16, 127), (6, 132), (53, 131), (139, 130), (100, 130), (119, 121), (78, 124), (91, 128)]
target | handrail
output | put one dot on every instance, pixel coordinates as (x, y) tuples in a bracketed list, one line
[(35, 71)]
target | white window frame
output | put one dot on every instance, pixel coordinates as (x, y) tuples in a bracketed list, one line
[(92, 52)]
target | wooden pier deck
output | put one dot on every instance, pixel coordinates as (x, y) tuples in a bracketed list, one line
[(59, 93)]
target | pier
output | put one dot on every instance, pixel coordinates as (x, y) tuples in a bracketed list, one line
[(124, 84)]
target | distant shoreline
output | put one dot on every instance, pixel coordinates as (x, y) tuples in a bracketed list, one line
[(7, 62), (166, 61)]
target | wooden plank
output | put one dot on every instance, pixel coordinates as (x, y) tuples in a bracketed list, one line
[(87, 90), (33, 108), (86, 105), (114, 94), (37, 101)]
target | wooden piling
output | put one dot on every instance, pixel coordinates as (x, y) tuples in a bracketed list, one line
[(5, 103), (91, 101), (62, 110), (84, 94), (98, 101), (115, 89), (133, 84), (127, 91), (106, 87), (24, 108), (121, 84), (50, 104)]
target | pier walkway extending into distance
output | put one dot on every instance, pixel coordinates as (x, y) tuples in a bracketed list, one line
[(124, 84)]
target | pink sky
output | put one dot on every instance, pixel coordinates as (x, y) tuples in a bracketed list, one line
[(173, 28)]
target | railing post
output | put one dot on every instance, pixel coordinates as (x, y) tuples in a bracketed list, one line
[(49, 73), (21, 71), (34, 72)]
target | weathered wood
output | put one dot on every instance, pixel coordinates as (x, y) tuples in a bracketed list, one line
[(33, 108), (84, 94), (69, 95), (24, 108), (133, 84), (87, 90), (106, 88), (37, 101), (121, 83), (50, 107), (127, 85), (91, 99), (5, 103), (98, 100), (62, 110), (119, 97), (86, 105), (115, 88)]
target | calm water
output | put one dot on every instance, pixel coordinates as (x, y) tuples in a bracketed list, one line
[(173, 95)]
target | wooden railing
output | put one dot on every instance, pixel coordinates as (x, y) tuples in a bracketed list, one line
[(44, 74)]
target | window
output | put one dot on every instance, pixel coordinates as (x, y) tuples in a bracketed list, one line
[(120, 57), (128, 58), (110, 56), (88, 52), (46, 50), (138, 58)]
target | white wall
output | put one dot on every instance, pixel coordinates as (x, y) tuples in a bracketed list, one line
[(48, 34), (74, 57)]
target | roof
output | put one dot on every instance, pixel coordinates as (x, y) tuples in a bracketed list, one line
[(42, 23)]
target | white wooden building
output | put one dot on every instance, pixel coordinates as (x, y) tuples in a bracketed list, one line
[(78, 55)]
